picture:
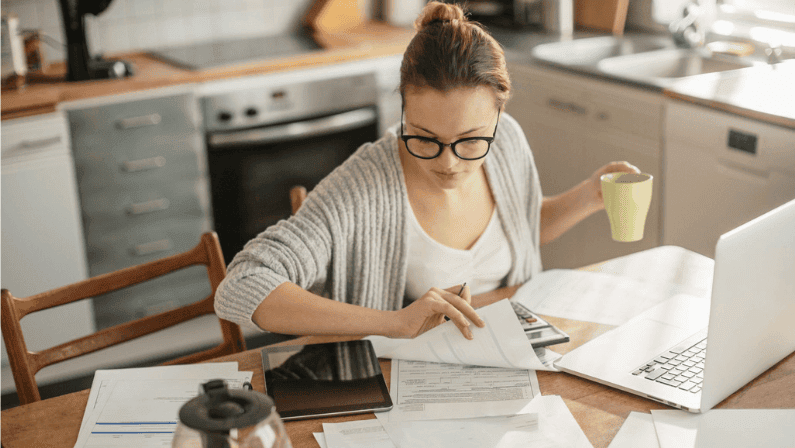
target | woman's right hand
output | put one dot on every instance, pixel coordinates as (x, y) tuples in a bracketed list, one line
[(430, 310)]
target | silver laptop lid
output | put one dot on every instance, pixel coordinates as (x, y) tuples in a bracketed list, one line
[(752, 315)]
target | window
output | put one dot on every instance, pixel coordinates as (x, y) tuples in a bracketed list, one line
[(770, 22)]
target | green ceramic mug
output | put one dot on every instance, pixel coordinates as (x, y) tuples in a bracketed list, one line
[(627, 197)]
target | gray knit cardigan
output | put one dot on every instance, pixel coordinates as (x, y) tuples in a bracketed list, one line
[(348, 241)]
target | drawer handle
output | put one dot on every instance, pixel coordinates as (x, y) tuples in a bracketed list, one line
[(565, 106), (139, 208), (139, 122), (151, 247), (151, 163), (36, 144)]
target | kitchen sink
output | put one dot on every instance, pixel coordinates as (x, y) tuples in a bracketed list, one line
[(590, 51), (668, 64)]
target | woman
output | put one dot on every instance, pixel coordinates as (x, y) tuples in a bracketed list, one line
[(451, 195)]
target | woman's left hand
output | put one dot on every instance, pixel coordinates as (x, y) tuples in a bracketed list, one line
[(595, 181)]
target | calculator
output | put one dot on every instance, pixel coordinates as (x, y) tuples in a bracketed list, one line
[(540, 332)]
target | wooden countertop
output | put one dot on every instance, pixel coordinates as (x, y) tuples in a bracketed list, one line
[(367, 40), (763, 93)]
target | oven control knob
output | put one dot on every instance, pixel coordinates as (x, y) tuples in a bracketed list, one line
[(224, 116), (251, 112)]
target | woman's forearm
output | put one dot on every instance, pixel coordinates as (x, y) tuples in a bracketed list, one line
[(289, 309), (562, 212)]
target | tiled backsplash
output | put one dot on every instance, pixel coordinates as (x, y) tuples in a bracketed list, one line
[(134, 25)]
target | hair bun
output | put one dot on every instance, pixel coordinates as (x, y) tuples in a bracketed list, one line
[(437, 12)]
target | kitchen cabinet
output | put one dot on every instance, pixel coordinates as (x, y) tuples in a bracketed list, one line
[(42, 237), (721, 171), (144, 194), (575, 125)]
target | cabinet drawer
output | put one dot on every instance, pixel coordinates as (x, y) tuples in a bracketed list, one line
[(98, 168), (114, 209), (26, 138), (134, 121), (139, 244)]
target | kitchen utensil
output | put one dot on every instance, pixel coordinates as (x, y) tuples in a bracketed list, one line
[(227, 418)]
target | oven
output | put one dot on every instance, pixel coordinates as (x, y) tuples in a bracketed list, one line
[(263, 141)]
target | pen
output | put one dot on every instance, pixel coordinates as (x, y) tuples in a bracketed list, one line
[(462, 289)]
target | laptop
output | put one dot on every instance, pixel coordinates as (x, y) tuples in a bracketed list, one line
[(690, 352)]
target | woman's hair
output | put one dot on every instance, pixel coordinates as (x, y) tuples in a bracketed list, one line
[(450, 52)]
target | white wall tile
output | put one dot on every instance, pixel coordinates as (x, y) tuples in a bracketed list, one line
[(130, 25)]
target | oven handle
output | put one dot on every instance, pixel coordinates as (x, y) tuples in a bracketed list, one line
[(291, 131)]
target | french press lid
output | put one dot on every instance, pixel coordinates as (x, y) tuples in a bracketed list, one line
[(220, 409)]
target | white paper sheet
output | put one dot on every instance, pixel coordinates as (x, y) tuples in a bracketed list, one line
[(357, 434), (501, 343), (636, 432), (513, 431), (554, 427), (103, 377), (143, 413), (422, 390), (665, 265), (320, 438), (592, 296), (726, 428)]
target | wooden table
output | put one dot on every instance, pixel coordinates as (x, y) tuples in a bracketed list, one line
[(598, 409)]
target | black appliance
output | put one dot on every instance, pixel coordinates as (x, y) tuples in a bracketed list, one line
[(262, 141), (80, 65)]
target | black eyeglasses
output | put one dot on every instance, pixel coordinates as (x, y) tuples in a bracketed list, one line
[(470, 148)]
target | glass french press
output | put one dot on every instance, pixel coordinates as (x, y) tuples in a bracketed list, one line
[(229, 418)]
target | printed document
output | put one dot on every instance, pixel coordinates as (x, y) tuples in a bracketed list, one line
[(143, 413), (423, 390), (546, 422), (592, 296), (102, 378), (501, 343), (357, 434)]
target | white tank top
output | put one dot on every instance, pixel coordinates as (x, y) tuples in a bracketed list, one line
[(483, 267)]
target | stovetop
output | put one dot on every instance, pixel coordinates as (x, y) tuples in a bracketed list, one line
[(229, 52)]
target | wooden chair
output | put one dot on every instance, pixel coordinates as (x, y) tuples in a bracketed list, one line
[(25, 364), (297, 196)]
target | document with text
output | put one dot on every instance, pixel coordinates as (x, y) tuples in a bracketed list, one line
[(501, 343), (143, 413), (422, 390)]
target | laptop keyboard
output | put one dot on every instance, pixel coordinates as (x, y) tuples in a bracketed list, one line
[(681, 366)]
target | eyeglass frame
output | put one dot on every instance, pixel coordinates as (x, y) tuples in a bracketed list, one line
[(441, 145)]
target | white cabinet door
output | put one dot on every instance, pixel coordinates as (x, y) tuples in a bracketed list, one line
[(574, 126), (713, 187), (42, 238)]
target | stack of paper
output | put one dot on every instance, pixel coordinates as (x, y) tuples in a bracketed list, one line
[(140, 407), (451, 391), (726, 428)]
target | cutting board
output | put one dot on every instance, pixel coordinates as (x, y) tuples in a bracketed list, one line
[(601, 15)]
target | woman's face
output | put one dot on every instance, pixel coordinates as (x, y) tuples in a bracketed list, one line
[(447, 117)]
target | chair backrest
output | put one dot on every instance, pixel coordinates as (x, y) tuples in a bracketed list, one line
[(25, 364), (297, 196)]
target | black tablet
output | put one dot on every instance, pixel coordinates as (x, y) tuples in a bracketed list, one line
[(319, 380)]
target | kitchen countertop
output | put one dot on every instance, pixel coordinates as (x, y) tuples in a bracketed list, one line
[(763, 93), (366, 40)]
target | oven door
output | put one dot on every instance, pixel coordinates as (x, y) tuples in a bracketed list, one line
[(252, 170)]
